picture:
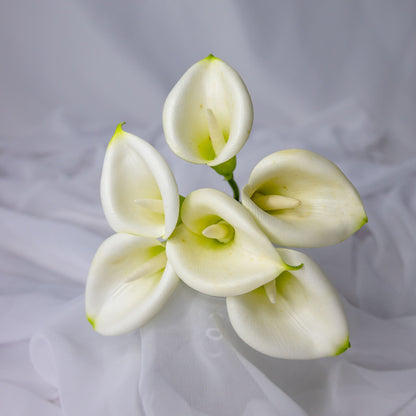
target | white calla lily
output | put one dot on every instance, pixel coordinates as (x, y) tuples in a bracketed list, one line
[(219, 250), (207, 117), (138, 191), (301, 199), (296, 316), (128, 283)]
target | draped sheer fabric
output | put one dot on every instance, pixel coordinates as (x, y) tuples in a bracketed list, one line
[(59, 112)]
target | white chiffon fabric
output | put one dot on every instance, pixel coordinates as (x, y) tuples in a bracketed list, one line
[(338, 79)]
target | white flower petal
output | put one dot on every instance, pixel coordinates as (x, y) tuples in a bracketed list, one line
[(128, 283), (227, 260), (305, 321), (208, 115), (138, 191), (321, 207)]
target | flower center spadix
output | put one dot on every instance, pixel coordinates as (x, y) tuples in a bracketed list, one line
[(273, 202), (215, 133), (149, 267), (221, 231), (155, 205), (270, 289)]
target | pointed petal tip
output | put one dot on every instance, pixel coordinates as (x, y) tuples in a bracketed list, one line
[(119, 128), (211, 56), (363, 221), (117, 133), (91, 321), (344, 347), (289, 267)]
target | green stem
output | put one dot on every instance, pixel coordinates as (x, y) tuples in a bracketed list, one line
[(235, 189)]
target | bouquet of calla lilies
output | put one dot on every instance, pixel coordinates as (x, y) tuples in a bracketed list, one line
[(278, 300)]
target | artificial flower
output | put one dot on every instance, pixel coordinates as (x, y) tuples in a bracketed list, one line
[(138, 190), (218, 249), (207, 117), (297, 316), (128, 283), (301, 199)]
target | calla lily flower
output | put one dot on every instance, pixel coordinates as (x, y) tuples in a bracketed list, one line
[(296, 316), (207, 117), (218, 249), (128, 283), (138, 191), (301, 199)]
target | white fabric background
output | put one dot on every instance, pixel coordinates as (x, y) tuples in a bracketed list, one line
[(336, 77)]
